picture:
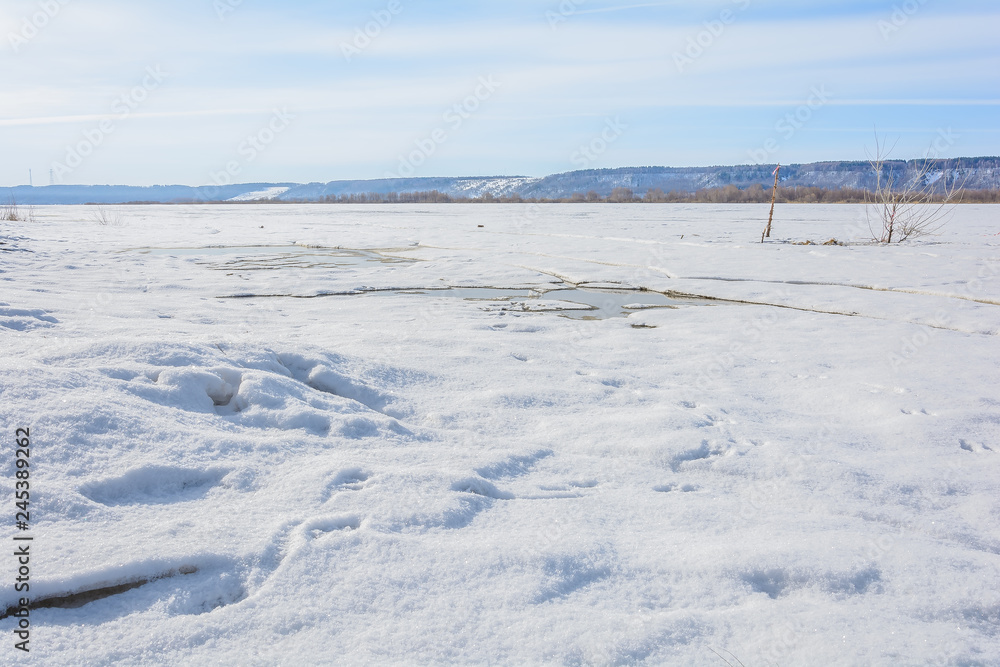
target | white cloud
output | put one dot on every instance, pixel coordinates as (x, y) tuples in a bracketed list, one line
[(607, 62)]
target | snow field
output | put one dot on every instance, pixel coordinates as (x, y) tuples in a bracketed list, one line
[(803, 471)]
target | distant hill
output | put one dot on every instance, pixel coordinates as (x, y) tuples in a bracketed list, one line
[(981, 173)]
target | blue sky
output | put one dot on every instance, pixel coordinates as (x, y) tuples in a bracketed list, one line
[(200, 91)]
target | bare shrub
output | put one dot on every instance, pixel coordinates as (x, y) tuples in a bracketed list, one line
[(11, 212), (907, 205), (108, 217), (620, 195)]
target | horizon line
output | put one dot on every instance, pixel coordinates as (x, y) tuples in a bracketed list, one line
[(559, 173)]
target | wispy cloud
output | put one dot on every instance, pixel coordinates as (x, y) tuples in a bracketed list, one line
[(88, 118), (940, 68), (619, 8)]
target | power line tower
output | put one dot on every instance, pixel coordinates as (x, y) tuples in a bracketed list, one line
[(52, 177)]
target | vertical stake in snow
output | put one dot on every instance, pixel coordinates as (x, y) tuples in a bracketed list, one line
[(774, 194)]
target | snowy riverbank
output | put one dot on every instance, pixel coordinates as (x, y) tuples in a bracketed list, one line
[(796, 462)]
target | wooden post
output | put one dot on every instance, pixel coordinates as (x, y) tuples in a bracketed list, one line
[(774, 194)]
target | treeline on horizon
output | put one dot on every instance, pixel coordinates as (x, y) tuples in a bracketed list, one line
[(730, 194)]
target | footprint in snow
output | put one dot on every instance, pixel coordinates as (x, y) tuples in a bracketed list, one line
[(976, 447), (668, 488), (777, 582), (350, 479), (20, 319), (516, 465), (700, 453), (480, 487), (324, 378), (153, 485), (319, 526)]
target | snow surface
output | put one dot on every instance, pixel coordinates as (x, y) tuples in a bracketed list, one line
[(266, 193), (505, 185), (805, 470)]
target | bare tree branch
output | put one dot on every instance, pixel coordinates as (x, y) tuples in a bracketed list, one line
[(908, 205)]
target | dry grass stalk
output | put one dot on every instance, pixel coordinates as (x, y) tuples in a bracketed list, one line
[(11, 212), (108, 217), (774, 195)]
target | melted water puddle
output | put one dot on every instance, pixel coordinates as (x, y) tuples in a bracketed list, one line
[(571, 301), (581, 303)]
